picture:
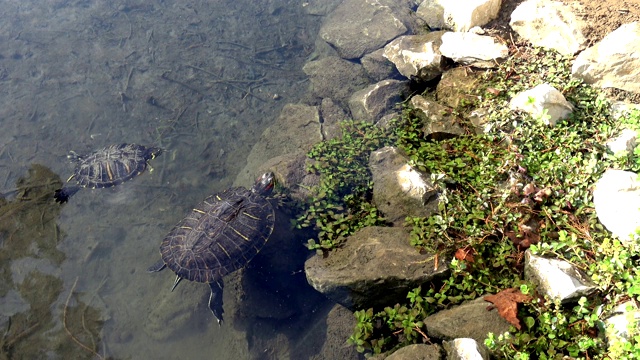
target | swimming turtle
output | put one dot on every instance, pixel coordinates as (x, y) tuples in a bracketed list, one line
[(221, 235), (107, 167)]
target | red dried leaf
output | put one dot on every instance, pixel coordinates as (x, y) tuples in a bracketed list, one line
[(465, 254), (506, 301)]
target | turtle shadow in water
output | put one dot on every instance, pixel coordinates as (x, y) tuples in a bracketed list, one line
[(270, 298)]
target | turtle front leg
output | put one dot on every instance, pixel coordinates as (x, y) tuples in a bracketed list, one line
[(215, 299)]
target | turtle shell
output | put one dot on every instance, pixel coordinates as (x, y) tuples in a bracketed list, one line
[(113, 165), (219, 236)]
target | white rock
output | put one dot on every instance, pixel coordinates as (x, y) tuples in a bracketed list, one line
[(459, 15), (541, 98), (617, 326), (471, 49), (557, 279), (622, 109), (616, 199), (625, 141), (549, 24), (417, 55), (465, 349), (614, 61)]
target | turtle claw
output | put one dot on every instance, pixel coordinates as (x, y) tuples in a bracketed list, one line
[(176, 282), (215, 300)]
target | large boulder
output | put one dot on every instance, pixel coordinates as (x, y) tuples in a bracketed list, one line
[(376, 267), (614, 61), (335, 78), (296, 129), (358, 27)]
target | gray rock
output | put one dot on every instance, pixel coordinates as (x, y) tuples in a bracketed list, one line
[(616, 199), (291, 173), (457, 85), (557, 279), (399, 190), (296, 129), (613, 62), (439, 121), (335, 78), (331, 115), (320, 7), (474, 50), (417, 56), (376, 267), (469, 320), (373, 102), (417, 352), (378, 67), (550, 24), (432, 12), (358, 27)]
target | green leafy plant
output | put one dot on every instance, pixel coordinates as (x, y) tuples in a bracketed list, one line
[(341, 202), (520, 184)]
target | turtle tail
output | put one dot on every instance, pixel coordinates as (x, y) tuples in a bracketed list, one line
[(63, 195)]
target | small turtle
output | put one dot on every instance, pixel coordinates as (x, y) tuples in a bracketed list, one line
[(107, 167), (221, 235)]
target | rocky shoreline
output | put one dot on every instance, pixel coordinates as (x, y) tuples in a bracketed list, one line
[(368, 56)]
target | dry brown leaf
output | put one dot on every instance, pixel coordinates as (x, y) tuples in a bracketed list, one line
[(506, 301), (465, 254)]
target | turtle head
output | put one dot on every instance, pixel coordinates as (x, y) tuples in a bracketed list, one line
[(264, 184), (154, 151)]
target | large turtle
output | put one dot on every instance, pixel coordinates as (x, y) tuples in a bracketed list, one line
[(221, 235), (107, 167)]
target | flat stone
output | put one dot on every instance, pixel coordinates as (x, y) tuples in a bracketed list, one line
[(376, 267)]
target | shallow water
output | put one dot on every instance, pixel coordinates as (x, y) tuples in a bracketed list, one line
[(198, 79)]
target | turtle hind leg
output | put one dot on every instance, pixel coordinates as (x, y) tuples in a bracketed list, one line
[(63, 195), (157, 266), (215, 299)]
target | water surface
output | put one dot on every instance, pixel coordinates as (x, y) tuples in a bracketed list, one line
[(199, 79)]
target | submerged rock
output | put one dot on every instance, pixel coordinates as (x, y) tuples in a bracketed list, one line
[(358, 27)]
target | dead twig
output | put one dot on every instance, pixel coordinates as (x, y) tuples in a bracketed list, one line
[(66, 328)]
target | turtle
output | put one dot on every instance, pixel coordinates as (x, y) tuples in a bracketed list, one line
[(221, 235), (107, 167)]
